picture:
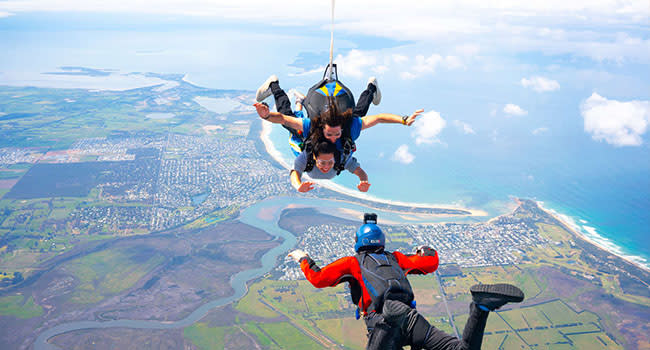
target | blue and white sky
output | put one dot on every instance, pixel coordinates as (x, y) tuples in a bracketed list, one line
[(506, 59)]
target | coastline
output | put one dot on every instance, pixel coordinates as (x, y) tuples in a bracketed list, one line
[(598, 241), (277, 156), (591, 237)]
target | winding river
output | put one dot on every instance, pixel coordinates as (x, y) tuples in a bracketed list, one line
[(263, 215)]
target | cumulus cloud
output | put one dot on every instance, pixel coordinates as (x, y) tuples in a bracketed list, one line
[(512, 109), (355, 63), (468, 50), (407, 75), (540, 84), (400, 59), (427, 127), (5, 14), (380, 69), (615, 122), (541, 130), (464, 127), (428, 65), (402, 155)]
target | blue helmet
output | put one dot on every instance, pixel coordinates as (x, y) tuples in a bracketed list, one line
[(369, 235)]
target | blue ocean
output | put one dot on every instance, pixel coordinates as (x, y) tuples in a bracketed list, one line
[(604, 197)]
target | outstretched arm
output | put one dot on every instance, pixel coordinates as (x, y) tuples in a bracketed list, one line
[(331, 274), (424, 261), (278, 118), (363, 179), (372, 120), (297, 183)]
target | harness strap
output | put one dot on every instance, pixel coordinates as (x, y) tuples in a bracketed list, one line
[(309, 152), (348, 147)]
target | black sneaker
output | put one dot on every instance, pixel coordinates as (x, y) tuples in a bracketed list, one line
[(494, 296)]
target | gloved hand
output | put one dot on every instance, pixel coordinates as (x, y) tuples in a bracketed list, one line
[(297, 255), (424, 250)]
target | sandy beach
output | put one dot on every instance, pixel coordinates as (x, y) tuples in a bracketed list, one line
[(594, 238), (277, 156), (591, 236)]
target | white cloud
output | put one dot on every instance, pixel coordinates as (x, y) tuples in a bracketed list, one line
[(400, 59), (540, 84), (497, 27), (380, 69), (116, 81), (427, 127), (541, 130), (407, 76), (617, 123), (5, 14), (514, 110), (428, 65), (355, 63), (403, 155), (464, 127), (467, 50)]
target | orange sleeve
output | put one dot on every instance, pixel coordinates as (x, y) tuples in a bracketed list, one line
[(330, 275), (417, 264)]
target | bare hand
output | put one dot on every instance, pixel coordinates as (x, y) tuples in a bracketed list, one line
[(412, 117), (306, 186), (363, 186), (262, 110), (297, 255)]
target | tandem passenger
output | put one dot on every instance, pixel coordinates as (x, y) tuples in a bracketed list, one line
[(324, 162)]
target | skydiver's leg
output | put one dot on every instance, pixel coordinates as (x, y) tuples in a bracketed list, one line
[(416, 330), (474, 328), (420, 334), (433, 338), (370, 94), (363, 103), (382, 336), (282, 102)]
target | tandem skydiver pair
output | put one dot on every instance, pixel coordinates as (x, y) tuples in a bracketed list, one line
[(324, 139)]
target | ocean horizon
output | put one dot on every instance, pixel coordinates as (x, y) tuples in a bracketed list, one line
[(595, 222)]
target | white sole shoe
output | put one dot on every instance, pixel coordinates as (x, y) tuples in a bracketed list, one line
[(376, 99), (265, 89), (298, 95)]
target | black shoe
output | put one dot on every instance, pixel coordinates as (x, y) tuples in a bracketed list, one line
[(494, 296)]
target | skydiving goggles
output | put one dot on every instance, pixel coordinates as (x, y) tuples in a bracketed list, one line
[(321, 162)]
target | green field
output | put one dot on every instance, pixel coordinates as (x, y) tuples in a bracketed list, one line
[(548, 325), (108, 272), (205, 337), (19, 306), (287, 336)]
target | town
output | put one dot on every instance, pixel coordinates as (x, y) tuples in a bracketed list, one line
[(145, 184), (501, 241)]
